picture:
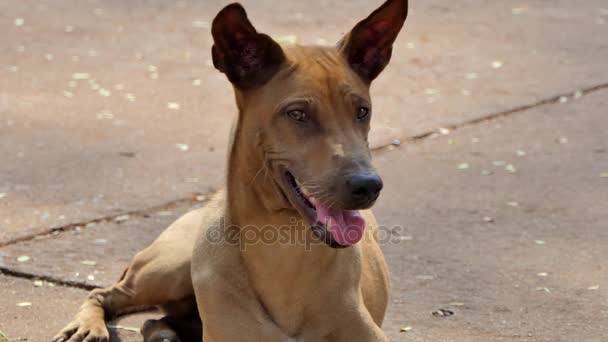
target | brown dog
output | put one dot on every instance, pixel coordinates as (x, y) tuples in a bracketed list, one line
[(266, 260)]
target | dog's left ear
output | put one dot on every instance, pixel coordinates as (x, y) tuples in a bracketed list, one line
[(248, 58), (369, 44)]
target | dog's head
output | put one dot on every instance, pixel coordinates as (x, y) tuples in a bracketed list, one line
[(305, 113)]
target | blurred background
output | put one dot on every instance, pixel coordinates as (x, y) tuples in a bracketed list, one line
[(489, 130)]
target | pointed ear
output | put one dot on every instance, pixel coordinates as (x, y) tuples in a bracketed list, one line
[(248, 58), (369, 44)]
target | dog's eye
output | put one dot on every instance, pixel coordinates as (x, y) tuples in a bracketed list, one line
[(298, 115), (362, 113)]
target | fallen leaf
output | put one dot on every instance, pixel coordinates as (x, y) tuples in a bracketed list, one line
[(197, 82), (24, 304), (19, 22), (520, 153), (486, 172), (105, 115), (152, 68), (463, 166), (471, 75), (593, 288), (543, 289), (287, 40), (24, 258), (89, 262), (563, 99), (91, 277), (406, 329), (456, 304), (200, 24), (578, 94), (499, 163), (497, 64), (510, 168), (542, 274), (3, 337), (80, 76), (517, 10), (182, 147), (539, 242), (68, 94), (38, 283), (122, 218), (444, 131), (173, 105)]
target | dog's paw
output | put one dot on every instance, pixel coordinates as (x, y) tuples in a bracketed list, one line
[(78, 331)]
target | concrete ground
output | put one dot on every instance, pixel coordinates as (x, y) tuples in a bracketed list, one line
[(113, 122)]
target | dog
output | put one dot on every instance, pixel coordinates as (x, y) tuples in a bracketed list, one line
[(288, 251)]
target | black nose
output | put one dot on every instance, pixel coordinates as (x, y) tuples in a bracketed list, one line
[(364, 188)]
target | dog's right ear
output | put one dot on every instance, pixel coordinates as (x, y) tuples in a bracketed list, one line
[(248, 58)]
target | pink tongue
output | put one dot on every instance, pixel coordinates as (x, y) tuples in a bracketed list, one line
[(346, 226)]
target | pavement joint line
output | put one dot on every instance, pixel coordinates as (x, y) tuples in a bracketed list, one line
[(110, 218), (58, 281), (500, 114)]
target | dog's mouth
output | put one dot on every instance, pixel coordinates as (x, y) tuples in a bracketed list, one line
[(336, 227)]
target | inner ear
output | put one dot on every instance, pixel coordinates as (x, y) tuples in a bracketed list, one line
[(248, 58), (369, 45)]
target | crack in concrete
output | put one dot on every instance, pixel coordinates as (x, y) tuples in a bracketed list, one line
[(111, 218), (57, 281), (192, 199), (488, 117)]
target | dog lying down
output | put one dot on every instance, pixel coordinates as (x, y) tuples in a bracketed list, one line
[(288, 250)]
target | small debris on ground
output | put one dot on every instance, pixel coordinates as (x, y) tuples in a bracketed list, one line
[(24, 304), (24, 258), (122, 218), (182, 147), (89, 262), (406, 329), (593, 288), (442, 313)]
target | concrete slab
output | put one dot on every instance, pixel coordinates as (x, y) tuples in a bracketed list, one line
[(32, 313), (75, 151), (96, 255), (515, 256)]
